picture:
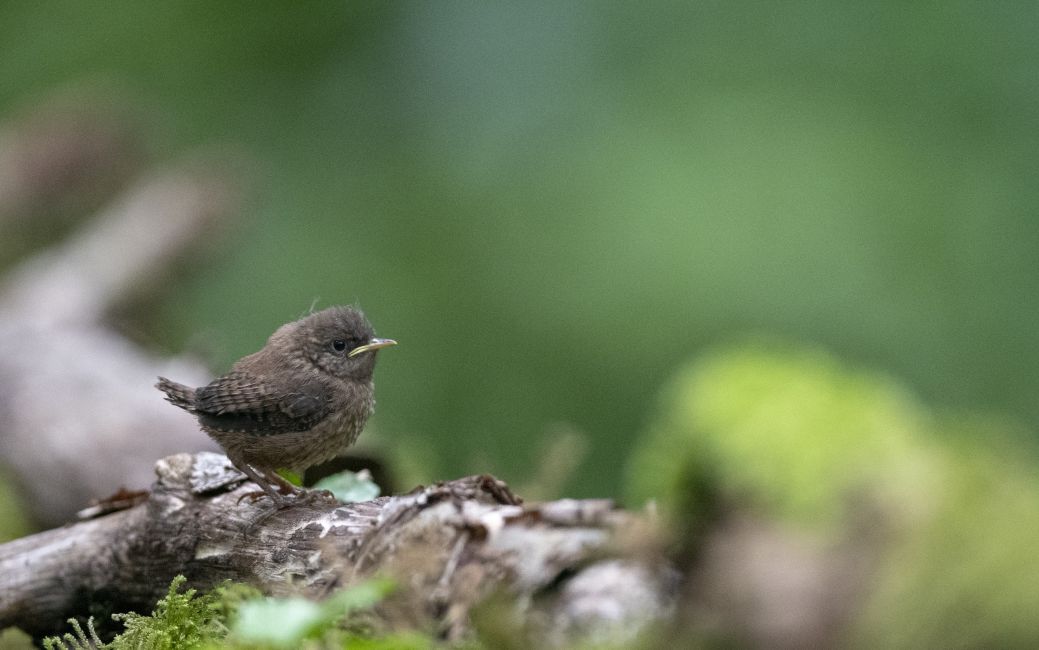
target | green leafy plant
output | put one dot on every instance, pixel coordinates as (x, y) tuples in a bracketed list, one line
[(795, 435), (287, 622), (81, 640), (291, 477), (237, 616), (791, 430), (180, 620), (350, 487)]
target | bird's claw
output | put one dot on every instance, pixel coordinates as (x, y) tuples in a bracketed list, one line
[(298, 496), (315, 496), (253, 496)]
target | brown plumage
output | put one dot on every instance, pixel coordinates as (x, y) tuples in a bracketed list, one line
[(299, 401)]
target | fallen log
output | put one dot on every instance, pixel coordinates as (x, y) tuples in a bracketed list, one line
[(449, 546)]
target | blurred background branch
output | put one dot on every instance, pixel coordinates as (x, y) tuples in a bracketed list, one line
[(78, 414)]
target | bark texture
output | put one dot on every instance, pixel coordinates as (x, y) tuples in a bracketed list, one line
[(563, 565)]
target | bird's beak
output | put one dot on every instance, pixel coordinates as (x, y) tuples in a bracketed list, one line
[(374, 344)]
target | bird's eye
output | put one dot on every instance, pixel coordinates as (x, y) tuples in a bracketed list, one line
[(338, 345)]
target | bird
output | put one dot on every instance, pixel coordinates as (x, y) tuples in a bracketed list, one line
[(299, 401)]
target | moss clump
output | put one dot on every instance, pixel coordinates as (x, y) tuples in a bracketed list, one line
[(790, 431), (180, 620), (795, 436), (967, 574), (238, 616)]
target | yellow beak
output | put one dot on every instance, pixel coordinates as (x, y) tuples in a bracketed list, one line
[(374, 344)]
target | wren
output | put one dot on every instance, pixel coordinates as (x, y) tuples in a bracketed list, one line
[(299, 401)]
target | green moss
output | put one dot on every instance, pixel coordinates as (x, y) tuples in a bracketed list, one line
[(238, 616), (791, 431), (12, 638), (796, 436), (180, 620), (966, 574)]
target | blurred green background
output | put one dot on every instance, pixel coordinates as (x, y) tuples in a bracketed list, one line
[(553, 206)]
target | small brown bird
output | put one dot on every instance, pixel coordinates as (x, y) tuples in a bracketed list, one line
[(299, 401)]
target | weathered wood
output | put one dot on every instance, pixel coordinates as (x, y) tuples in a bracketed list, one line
[(448, 545)]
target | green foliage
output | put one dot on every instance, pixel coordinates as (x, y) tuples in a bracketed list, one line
[(12, 638), (790, 430), (287, 622), (238, 616), (967, 574), (180, 620), (279, 621), (78, 641), (350, 487), (793, 434), (291, 477)]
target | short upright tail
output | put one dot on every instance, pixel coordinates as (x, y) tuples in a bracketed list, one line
[(177, 394)]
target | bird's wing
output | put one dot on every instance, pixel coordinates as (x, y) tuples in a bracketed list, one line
[(240, 401)]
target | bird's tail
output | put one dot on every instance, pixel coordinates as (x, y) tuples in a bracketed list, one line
[(178, 394)]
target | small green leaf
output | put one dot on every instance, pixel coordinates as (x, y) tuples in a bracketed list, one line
[(349, 487), (361, 596), (285, 622), (291, 477), (278, 621)]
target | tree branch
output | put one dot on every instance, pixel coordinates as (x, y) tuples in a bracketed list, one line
[(56, 349)]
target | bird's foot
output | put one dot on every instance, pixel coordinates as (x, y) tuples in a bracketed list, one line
[(317, 496), (288, 489), (256, 495), (313, 497), (284, 486), (298, 496)]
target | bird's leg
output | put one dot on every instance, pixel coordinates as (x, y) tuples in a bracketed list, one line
[(264, 484), (316, 496), (284, 486), (300, 494)]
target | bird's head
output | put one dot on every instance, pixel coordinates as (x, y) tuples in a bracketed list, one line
[(341, 342)]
